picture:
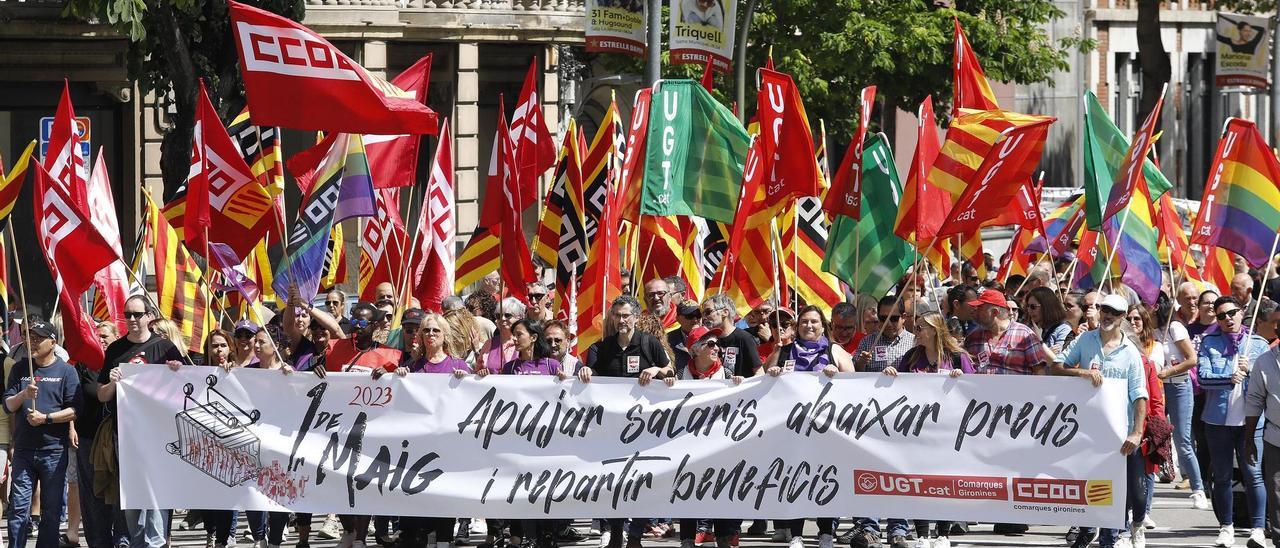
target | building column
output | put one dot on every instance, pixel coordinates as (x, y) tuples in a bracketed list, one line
[(374, 58), (466, 142)]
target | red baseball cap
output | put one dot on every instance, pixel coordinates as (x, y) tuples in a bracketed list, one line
[(991, 297)]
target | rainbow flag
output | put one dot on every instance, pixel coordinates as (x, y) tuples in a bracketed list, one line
[(1104, 149), (1240, 210), (1138, 255), (1061, 226)]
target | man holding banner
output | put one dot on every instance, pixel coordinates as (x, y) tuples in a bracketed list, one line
[(1107, 353)]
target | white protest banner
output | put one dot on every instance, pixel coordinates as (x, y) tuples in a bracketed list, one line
[(979, 448), (702, 29), (1243, 44), (616, 26)]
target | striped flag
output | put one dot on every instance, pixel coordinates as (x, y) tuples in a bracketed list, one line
[(971, 252), (923, 204), (692, 231), (804, 241), (11, 183), (715, 243), (601, 279), (749, 264), (1174, 248), (597, 168), (1219, 268), (1017, 259), (1061, 226), (1090, 261), (865, 253), (309, 246), (630, 183), (972, 91), (180, 286), (661, 248), (1137, 258), (335, 269), (1240, 210), (561, 237)]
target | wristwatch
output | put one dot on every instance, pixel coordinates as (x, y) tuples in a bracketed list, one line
[(48, 419)]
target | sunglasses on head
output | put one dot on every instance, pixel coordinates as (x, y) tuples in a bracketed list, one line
[(1227, 314)]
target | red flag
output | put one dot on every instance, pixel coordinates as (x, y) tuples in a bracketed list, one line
[(1026, 210), (921, 200), (786, 141), (74, 252), (295, 78), (381, 240), (752, 178), (1170, 226), (112, 282), (393, 159), (436, 231), (501, 214), (1130, 173), (535, 152), (1004, 173), (64, 162), (223, 197), (708, 75), (845, 195), (971, 87), (633, 160)]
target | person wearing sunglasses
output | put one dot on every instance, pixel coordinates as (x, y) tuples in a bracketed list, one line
[(501, 348), (885, 347), (1223, 363), (539, 302), (880, 350), (1205, 321), (140, 345), (689, 317), (335, 303), (360, 352), (1174, 372), (741, 351), (1108, 353)]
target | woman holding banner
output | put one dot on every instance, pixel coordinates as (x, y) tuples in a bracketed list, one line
[(500, 349), (810, 352), (218, 524), (433, 354), (938, 351), (266, 344)]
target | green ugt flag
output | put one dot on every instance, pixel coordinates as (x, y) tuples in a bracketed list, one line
[(694, 154), (866, 254), (1104, 149)]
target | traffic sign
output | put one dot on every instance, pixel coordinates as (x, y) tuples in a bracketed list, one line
[(83, 131)]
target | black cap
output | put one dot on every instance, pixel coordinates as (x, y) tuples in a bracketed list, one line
[(688, 308), (42, 329), (413, 315), (366, 305)]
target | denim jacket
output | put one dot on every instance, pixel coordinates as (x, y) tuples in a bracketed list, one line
[(1224, 400)]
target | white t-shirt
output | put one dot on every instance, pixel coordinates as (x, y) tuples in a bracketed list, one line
[(1172, 354)]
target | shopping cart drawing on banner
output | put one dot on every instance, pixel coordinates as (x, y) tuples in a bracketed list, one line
[(214, 437)]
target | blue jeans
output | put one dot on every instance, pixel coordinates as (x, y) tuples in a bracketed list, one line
[(1179, 402), (48, 467), (1226, 447), (872, 525), (257, 524), (147, 528), (1136, 497)]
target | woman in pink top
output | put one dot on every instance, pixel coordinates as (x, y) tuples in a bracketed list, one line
[(501, 348)]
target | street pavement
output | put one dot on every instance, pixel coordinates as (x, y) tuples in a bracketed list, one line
[(1177, 524)]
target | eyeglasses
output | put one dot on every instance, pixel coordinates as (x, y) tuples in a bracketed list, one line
[(333, 303), (1135, 319), (657, 294), (1227, 314), (430, 330), (892, 318), (1111, 311), (359, 323), (135, 315), (537, 296)]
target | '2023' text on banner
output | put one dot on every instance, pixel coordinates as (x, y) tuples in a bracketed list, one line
[(1007, 449)]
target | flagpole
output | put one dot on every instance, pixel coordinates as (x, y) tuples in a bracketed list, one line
[(1027, 278), (795, 251), (22, 295), (412, 243), (898, 301), (281, 221), (1262, 287), (152, 302), (775, 249)]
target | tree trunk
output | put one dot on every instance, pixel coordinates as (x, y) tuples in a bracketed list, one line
[(175, 149), (1152, 58)]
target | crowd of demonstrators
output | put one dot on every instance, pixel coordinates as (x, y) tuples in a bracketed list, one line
[(1198, 368)]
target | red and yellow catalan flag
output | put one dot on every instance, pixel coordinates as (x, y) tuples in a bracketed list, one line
[(180, 285), (11, 184)]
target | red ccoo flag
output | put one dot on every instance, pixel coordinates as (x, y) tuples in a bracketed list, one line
[(74, 252), (112, 282), (393, 159), (845, 195), (295, 78), (535, 151), (434, 260)]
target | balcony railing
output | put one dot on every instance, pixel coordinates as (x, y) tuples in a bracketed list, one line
[(570, 6)]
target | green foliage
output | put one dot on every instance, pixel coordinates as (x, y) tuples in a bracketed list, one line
[(1246, 6), (835, 47)]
